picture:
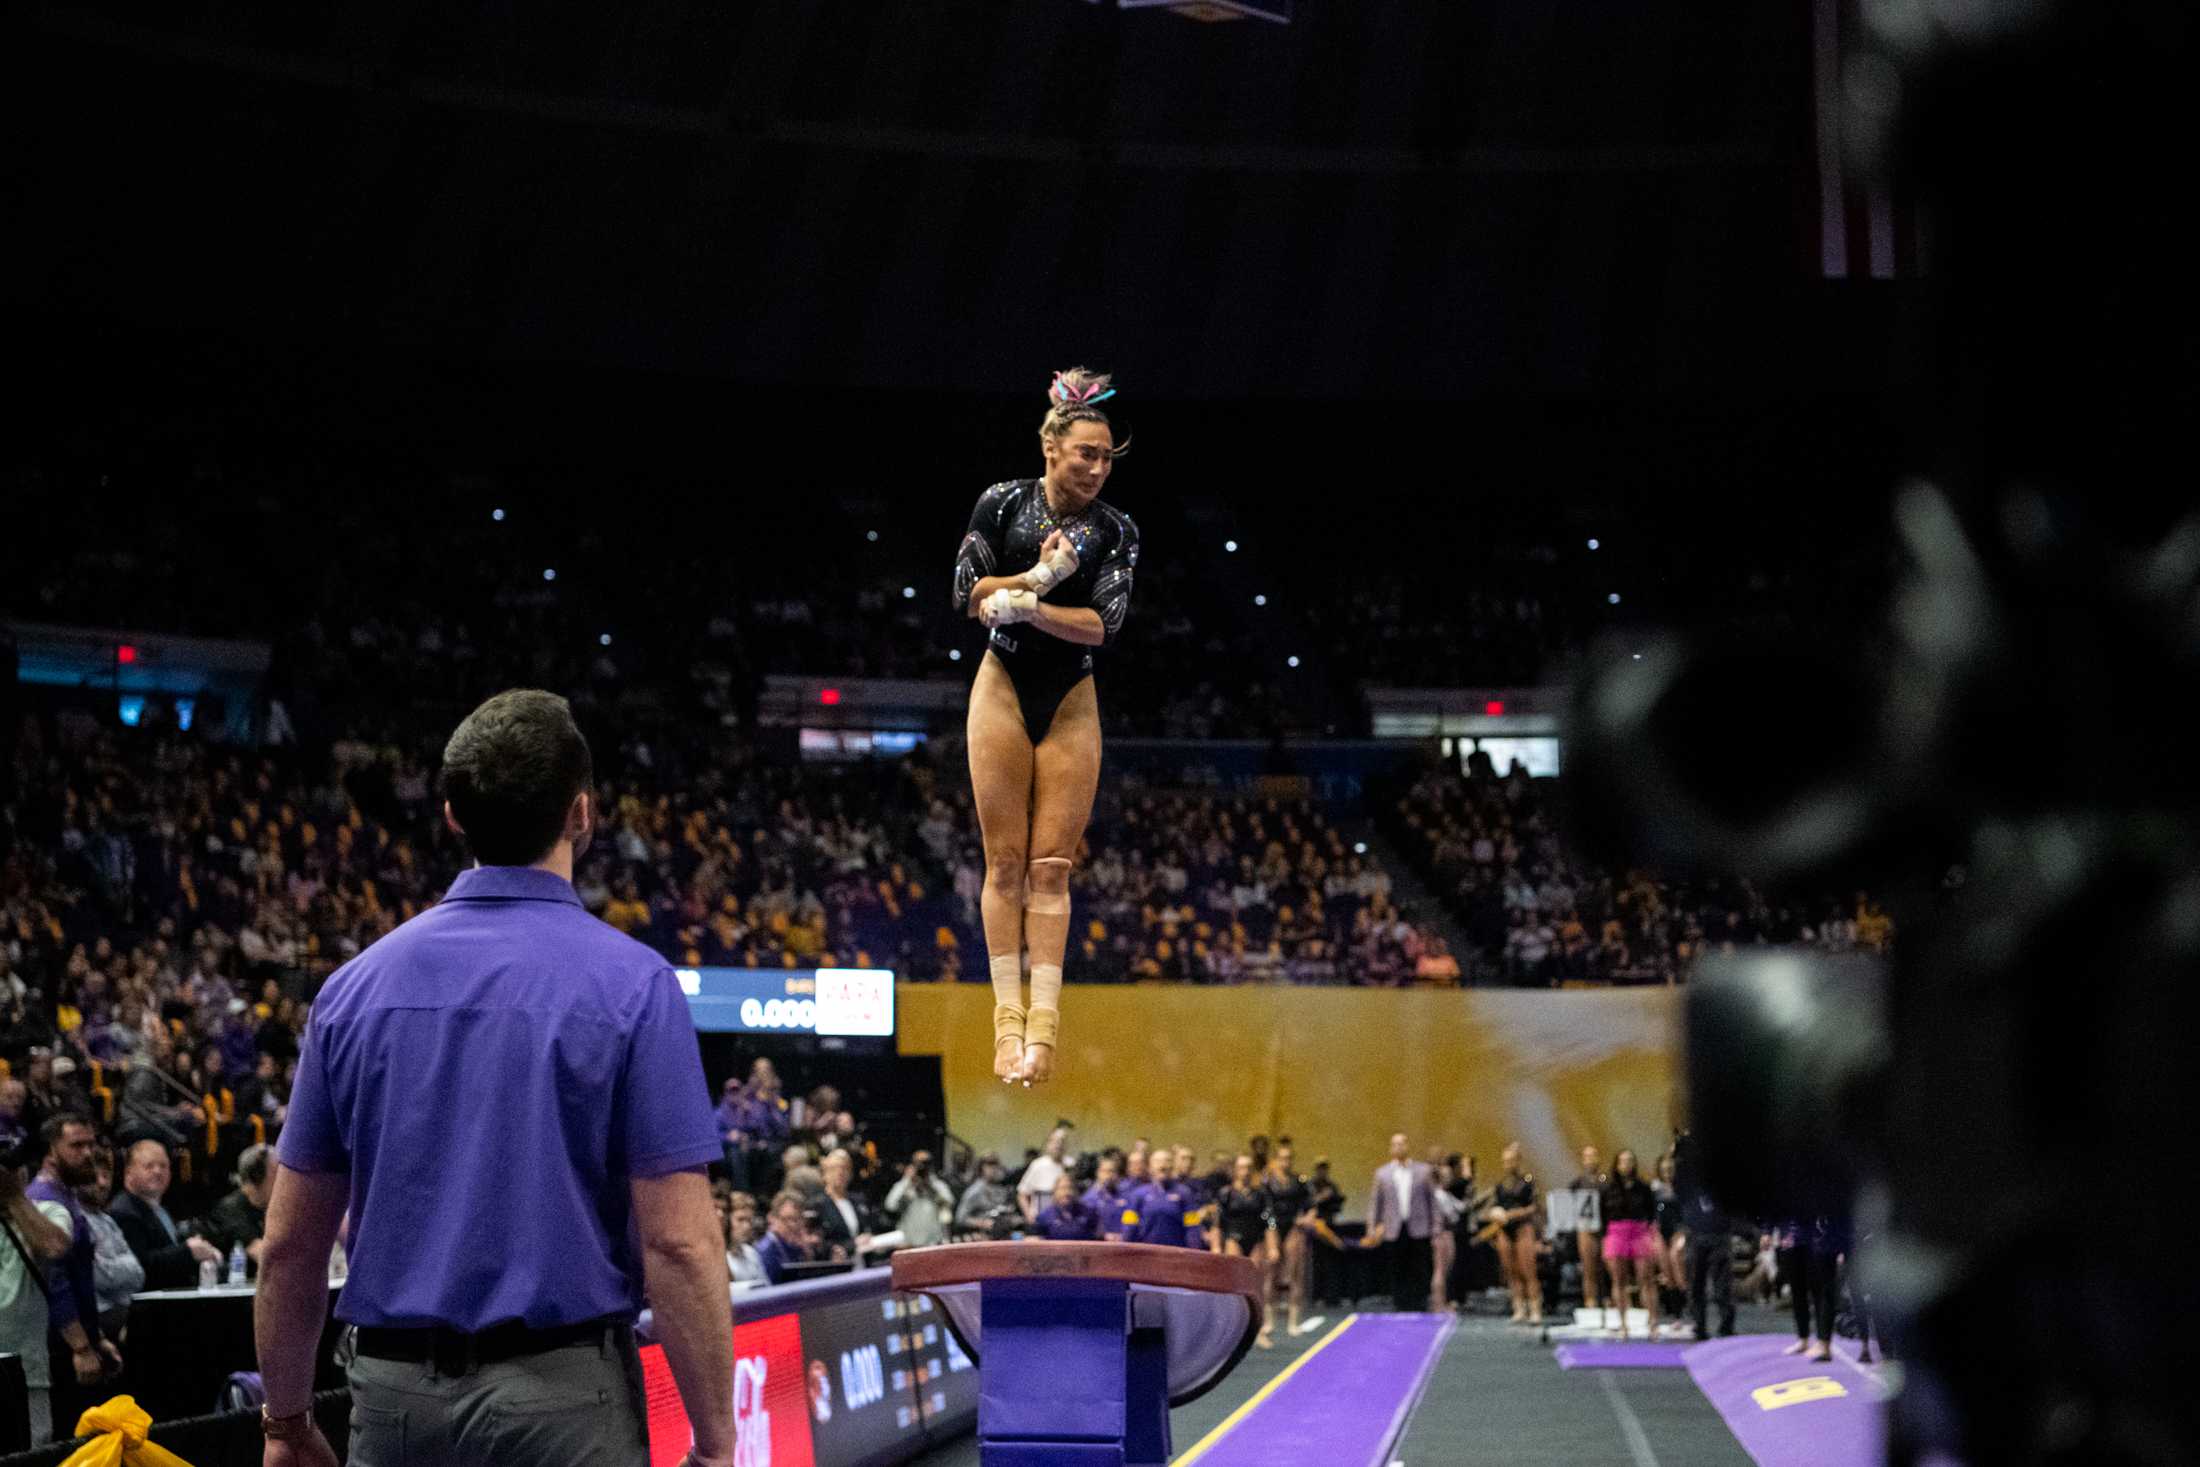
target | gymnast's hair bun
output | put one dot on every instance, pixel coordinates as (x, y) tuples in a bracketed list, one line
[(1080, 387)]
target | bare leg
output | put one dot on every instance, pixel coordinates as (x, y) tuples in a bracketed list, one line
[(1505, 1270), (1440, 1274), (1266, 1258), (1296, 1263), (1591, 1269), (1067, 776), (1531, 1254), (1230, 1249), (1622, 1268), (1652, 1293), (1001, 764)]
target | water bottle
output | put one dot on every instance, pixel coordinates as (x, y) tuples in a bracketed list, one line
[(210, 1273), (236, 1263)]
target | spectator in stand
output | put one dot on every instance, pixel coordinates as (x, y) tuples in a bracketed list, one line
[(149, 1106), (845, 1219), (73, 1300), (48, 1092), (239, 1220), (1067, 1217), (786, 1240), (743, 1263), (919, 1204), (1183, 1164), (1161, 1211), (13, 1132), (1109, 1192), (1044, 1170), (761, 1124), (116, 1272), (1135, 1174), (824, 1124), (171, 1260), (39, 1236), (987, 1206)]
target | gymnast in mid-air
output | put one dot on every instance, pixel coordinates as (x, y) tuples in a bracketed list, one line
[(1046, 568)]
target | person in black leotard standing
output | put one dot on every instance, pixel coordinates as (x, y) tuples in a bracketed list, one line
[(1290, 1230), (1512, 1211), (1046, 568), (1242, 1221)]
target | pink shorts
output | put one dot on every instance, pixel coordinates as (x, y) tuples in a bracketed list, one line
[(1636, 1240)]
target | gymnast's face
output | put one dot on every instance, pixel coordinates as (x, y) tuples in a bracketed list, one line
[(1080, 461)]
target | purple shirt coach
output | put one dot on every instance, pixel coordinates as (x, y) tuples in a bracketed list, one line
[(508, 1001)]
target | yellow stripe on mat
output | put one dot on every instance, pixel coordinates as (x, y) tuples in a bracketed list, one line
[(1201, 1447)]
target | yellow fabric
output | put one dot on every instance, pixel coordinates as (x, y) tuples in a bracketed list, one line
[(1336, 1069), (118, 1432)]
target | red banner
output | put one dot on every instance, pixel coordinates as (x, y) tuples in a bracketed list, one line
[(771, 1418)]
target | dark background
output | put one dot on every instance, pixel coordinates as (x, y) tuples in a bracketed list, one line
[(1557, 244)]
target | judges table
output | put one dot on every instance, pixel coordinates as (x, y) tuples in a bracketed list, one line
[(183, 1345)]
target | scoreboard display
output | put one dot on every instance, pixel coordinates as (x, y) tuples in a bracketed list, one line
[(855, 1383), (826, 1002)]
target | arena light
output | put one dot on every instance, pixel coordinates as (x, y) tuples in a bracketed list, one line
[(954, 654), (604, 640), (830, 697), (1290, 662), (1613, 599), (1230, 546), (1359, 848), (909, 593), (126, 654), (1594, 543), (1260, 600), (497, 515), (1494, 708), (871, 535), (549, 573)]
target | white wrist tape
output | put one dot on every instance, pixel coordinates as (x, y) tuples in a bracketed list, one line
[(1052, 570), (1005, 608)]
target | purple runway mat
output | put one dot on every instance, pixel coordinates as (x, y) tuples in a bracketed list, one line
[(1619, 1355), (1346, 1405), (1787, 1411)]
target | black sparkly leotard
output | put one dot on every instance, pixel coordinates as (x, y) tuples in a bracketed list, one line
[(1009, 525), (1245, 1216)]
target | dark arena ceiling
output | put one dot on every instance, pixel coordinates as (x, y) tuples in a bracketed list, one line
[(1425, 198)]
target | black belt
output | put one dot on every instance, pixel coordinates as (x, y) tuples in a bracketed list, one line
[(458, 1353)]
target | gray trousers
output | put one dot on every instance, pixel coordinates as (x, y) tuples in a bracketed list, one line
[(580, 1406)]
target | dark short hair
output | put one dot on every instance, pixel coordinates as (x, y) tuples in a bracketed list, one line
[(50, 1132), (253, 1163), (511, 771)]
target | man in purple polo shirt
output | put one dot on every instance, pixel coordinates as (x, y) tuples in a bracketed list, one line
[(506, 1097), (72, 1300)]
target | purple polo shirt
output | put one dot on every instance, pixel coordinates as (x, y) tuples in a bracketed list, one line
[(1068, 1222), (491, 1075), (1158, 1213)]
